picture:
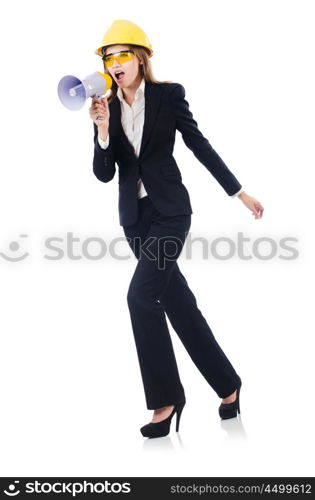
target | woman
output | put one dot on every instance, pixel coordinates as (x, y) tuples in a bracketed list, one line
[(136, 129)]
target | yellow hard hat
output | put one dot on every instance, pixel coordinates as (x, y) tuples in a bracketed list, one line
[(125, 32)]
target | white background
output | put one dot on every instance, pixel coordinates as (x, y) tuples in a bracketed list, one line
[(71, 391)]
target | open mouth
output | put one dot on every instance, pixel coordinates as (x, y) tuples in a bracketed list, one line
[(119, 75)]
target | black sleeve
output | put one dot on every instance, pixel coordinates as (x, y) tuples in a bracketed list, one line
[(103, 161), (198, 144)]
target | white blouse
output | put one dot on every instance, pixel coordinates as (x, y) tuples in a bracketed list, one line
[(132, 120)]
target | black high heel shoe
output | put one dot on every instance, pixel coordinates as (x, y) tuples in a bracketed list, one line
[(160, 429), (229, 410)]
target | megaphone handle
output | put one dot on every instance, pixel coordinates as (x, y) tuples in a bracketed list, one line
[(99, 95)]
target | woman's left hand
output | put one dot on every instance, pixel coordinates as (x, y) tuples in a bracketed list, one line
[(254, 205)]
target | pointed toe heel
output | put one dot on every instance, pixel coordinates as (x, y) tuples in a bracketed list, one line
[(160, 429)]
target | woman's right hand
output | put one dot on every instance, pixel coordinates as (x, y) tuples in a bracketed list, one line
[(98, 108)]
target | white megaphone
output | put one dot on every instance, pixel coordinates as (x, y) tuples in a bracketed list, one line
[(73, 92)]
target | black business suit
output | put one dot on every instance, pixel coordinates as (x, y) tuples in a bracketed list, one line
[(161, 221)]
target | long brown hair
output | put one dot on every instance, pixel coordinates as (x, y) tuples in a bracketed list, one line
[(146, 70)]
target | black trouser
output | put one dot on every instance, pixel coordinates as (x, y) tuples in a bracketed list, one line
[(158, 287)]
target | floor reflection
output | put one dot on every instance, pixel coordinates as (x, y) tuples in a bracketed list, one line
[(165, 443), (234, 429)]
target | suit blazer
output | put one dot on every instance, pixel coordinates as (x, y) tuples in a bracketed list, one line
[(166, 111)]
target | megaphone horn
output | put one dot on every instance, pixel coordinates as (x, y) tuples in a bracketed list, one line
[(73, 92)]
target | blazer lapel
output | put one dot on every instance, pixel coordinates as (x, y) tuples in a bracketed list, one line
[(152, 96), (116, 125)]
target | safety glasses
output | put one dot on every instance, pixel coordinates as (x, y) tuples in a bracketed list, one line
[(121, 57)]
